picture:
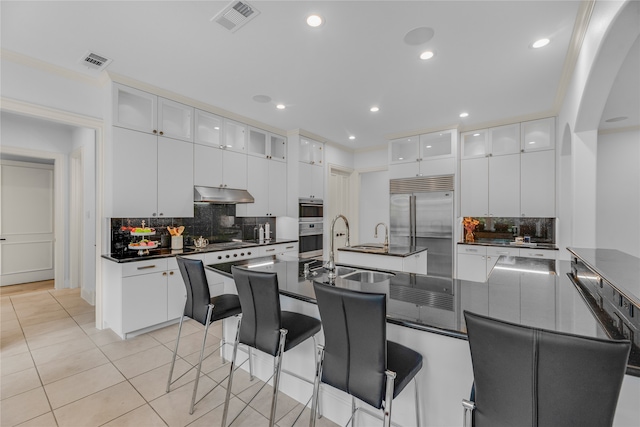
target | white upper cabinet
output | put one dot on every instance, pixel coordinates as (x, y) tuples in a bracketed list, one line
[(209, 129), (424, 155), (235, 135), (146, 112), (311, 152), (504, 140), (217, 163), (436, 145), (135, 109), (267, 183), (539, 135), (310, 169), (474, 144), (474, 187), (267, 145), (175, 119), (404, 150), (538, 195), (153, 175), (504, 185)]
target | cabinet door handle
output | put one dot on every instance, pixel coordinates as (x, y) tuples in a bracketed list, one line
[(503, 252), (161, 133), (171, 273), (270, 250), (146, 267), (289, 247), (164, 273)]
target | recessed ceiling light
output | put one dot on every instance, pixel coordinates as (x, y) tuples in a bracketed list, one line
[(476, 134), (427, 55), (314, 20), (217, 127), (262, 98), (540, 43), (531, 142), (616, 119), (400, 158), (281, 106), (352, 137), (428, 146), (463, 115), (374, 109)]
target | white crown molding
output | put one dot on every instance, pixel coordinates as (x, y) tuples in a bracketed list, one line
[(18, 58), (575, 44), (619, 130), (384, 147), (392, 136), (510, 121), (21, 107)]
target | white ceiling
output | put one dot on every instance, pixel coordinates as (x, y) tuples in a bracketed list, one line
[(327, 77)]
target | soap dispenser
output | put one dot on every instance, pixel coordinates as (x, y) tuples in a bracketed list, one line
[(261, 234), (267, 231)]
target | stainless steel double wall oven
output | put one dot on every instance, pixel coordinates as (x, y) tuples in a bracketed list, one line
[(310, 227)]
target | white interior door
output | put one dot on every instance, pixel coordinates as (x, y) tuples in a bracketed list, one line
[(26, 223), (339, 203)]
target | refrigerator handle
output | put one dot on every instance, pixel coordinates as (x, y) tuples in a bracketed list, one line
[(412, 219)]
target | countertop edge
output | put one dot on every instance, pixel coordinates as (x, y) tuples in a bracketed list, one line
[(195, 252)]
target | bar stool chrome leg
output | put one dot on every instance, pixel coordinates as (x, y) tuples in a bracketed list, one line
[(175, 352), (204, 341)]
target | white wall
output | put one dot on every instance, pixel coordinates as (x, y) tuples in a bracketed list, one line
[(618, 192), (610, 34), (49, 87), (45, 136), (371, 159)]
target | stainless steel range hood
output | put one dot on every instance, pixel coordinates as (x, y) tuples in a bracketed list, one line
[(221, 195)]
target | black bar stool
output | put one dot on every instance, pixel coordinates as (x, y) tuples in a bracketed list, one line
[(357, 358), (535, 377), (265, 327), (203, 308)]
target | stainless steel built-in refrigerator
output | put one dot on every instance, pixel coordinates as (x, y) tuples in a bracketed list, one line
[(421, 214)]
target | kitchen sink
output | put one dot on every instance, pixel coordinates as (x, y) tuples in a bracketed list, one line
[(365, 276), (371, 248)]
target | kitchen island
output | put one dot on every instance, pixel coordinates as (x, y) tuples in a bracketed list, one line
[(409, 259), (426, 314)]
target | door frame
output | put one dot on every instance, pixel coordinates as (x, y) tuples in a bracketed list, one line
[(59, 193), (50, 114), (76, 203)]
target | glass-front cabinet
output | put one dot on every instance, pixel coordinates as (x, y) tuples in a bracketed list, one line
[(311, 152), (145, 112), (267, 145), (474, 144), (436, 145), (235, 135), (405, 150), (504, 140), (209, 129), (538, 135)]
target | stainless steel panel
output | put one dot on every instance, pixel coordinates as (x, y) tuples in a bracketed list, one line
[(399, 230)]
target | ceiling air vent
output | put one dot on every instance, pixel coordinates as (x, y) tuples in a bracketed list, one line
[(235, 15), (95, 61)]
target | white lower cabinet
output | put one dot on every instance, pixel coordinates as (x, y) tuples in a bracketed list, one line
[(142, 294), (416, 263), (476, 262)]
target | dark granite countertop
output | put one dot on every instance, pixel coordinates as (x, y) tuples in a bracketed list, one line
[(510, 244), (532, 292), (377, 249), (132, 255), (616, 267)]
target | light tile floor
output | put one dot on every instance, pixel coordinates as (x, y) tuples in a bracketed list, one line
[(59, 370)]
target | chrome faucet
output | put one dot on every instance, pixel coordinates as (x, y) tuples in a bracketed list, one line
[(331, 265), (386, 233)]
